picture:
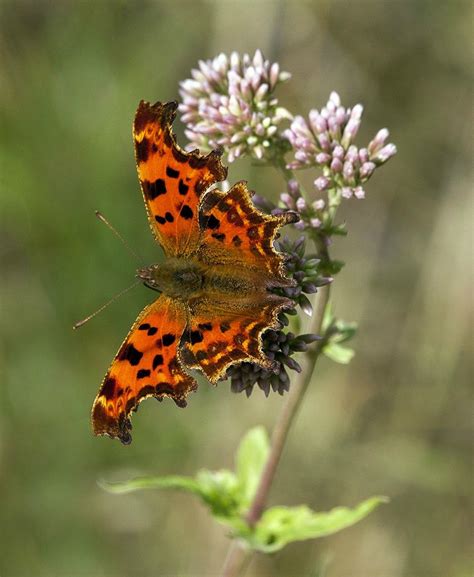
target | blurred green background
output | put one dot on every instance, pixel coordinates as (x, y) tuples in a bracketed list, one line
[(396, 421)]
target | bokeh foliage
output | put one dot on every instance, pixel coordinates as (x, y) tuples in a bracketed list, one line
[(395, 421)]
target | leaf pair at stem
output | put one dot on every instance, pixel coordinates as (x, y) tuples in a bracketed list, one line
[(229, 494)]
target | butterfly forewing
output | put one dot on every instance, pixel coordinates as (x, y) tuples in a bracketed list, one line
[(172, 180)]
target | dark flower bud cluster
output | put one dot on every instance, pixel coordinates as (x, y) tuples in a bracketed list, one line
[(304, 270), (278, 344)]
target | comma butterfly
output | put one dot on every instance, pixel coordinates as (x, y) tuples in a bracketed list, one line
[(215, 301)]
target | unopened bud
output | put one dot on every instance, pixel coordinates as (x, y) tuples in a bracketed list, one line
[(322, 183), (336, 165), (379, 140), (300, 204), (318, 204), (387, 152), (323, 158), (366, 170)]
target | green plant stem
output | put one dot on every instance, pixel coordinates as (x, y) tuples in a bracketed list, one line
[(238, 558)]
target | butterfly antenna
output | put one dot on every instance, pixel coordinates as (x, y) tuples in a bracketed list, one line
[(102, 218), (113, 299)]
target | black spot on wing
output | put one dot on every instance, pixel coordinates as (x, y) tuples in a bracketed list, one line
[(220, 236), (182, 188), (171, 172), (224, 327), (169, 217), (213, 222), (157, 361), (186, 212), (154, 189), (196, 337), (252, 232), (131, 354), (160, 219), (142, 373), (168, 339), (152, 331)]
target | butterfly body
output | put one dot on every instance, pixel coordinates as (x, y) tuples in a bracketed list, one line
[(215, 283), (177, 278), (190, 280)]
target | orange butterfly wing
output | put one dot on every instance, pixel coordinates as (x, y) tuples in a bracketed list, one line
[(228, 330), (147, 364), (172, 180), (235, 231)]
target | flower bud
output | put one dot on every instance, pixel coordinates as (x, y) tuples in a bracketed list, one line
[(336, 165), (366, 170), (379, 140), (300, 204), (318, 204), (323, 158), (293, 186), (348, 170), (338, 152), (387, 152), (287, 200), (322, 183)]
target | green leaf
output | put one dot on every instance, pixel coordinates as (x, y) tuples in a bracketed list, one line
[(338, 353), (282, 525), (344, 331), (337, 331), (220, 490), (171, 482), (250, 461)]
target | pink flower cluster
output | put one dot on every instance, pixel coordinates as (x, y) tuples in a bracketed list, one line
[(229, 102), (326, 139)]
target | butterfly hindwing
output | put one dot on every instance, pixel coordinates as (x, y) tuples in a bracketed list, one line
[(147, 364), (227, 331), (172, 180)]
